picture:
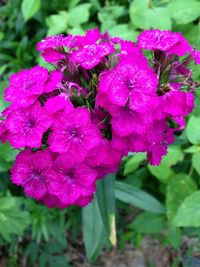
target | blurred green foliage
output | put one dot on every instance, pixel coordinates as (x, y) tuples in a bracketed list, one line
[(164, 200)]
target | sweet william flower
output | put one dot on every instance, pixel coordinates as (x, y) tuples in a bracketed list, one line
[(26, 126), (167, 41), (71, 181), (74, 134), (26, 86), (31, 171), (126, 121), (129, 84), (91, 55)]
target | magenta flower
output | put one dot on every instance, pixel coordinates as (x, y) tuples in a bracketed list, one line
[(91, 55), (54, 81), (31, 171), (129, 84), (26, 86), (158, 138), (52, 47), (126, 121), (196, 56), (167, 41), (54, 42), (27, 125), (3, 132), (60, 102), (74, 134), (71, 181)]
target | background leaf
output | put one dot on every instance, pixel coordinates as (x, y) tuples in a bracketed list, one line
[(179, 187), (138, 198), (30, 8), (189, 212), (93, 229), (184, 12), (106, 201)]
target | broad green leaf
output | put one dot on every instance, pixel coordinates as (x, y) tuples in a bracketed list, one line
[(193, 130), (179, 187), (106, 201), (184, 12), (196, 162), (93, 229), (192, 149), (7, 152), (79, 14), (12, 219), (143, 15), (161, 172), (133, 163), (123, 31), (174, 155), (138, 198), (30, 8), (76, 30), (6, 203), (57, 23), (148, 223), (188, 214)]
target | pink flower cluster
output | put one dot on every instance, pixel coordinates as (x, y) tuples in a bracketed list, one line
[(103, 100)]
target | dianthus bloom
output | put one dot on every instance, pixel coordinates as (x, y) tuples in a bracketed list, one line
[(102, 100)]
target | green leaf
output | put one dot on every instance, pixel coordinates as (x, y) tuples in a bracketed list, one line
[(193, 130), (93, 229), (123, 31), (196, 162), (192, 149), (143, 15), (148, 223), (179, 187), (138, 198), (133, 163), (184, 12), (188, 214), (30, 8), (57, 23), (161, 172), (106, 201), (7, 152), (174, 155), (174, 237), (79, 14), (12, 219)]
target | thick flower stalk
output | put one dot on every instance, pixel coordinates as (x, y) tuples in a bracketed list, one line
[(103, 99)]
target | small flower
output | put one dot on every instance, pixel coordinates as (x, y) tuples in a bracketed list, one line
[(54, 42), (26, 86), (3, 132), (167, 41), (71, 181), (54, 81), (51, 47), (129, 84), (91, 55), (158, 138), (74, 134), (176, 102), (31, 171), (27, 125), (196, 56), (126, 121)]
